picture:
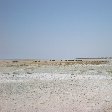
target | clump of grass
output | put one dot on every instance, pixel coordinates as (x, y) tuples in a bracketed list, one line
[(110, 71), (15, 61), (23, 65), (15, 73), (91, 69), (29, 73)]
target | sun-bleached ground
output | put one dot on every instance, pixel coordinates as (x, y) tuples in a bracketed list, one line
[(33, 87)]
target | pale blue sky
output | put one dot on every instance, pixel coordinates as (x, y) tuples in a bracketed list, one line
[(58, 29)]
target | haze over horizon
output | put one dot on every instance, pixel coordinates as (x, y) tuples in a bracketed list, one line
[(55, 29)]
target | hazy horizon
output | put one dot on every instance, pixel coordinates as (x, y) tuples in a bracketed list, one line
[(55, 29)]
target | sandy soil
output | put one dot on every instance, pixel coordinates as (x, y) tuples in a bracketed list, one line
[(27, 86)]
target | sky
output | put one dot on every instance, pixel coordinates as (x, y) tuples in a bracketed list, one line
[(55, 29)]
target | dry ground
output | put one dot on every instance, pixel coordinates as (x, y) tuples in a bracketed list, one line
[(55, 86)]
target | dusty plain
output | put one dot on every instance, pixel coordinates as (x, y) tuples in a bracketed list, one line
[(83, 85)]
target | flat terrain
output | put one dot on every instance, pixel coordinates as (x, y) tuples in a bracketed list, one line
[(56, 86)]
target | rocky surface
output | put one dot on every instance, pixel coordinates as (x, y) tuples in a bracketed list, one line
[(30, 87)]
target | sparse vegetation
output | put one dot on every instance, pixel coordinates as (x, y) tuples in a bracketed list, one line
[(15, 61), (110, 71)]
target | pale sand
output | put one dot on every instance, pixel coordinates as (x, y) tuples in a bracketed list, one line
[(74, 88)]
